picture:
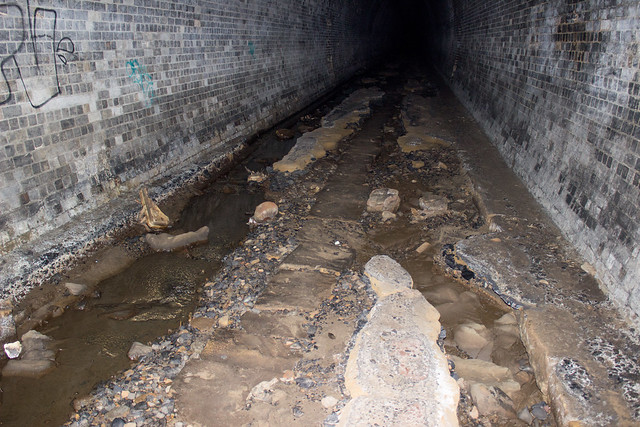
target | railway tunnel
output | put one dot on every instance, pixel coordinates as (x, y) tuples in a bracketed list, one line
[(98, 99)]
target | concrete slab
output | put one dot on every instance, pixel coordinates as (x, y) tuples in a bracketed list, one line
[(396, 373)]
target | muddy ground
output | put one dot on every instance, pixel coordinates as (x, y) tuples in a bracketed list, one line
[(253, 350)]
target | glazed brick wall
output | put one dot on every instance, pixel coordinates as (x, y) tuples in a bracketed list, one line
[(556, 85), (100, 97)]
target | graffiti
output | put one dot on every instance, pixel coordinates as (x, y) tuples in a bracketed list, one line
[(139, 75), (35, 53)]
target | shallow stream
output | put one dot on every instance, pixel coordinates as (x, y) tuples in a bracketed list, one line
[(152, 296)]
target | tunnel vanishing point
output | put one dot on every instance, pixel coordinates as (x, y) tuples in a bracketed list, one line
[(100, 98)]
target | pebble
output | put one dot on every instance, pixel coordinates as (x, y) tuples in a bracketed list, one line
[(540, 411), (329, 402)]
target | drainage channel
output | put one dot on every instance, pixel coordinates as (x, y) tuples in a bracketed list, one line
[(155, 294)]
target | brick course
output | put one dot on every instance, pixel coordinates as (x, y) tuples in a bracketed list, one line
[(556, 86), (97, 98)]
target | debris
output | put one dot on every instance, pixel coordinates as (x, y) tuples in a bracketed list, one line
[(423, 247), (265, 211), (284, 134), (256, 176), (13, 349), (167, 242), (150, 215), (138, 350), (75, 288), (383, 199)]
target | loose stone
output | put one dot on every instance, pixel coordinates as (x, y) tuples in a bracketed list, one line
[(383, 199)]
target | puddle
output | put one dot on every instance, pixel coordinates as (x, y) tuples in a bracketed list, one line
[(150, 297)]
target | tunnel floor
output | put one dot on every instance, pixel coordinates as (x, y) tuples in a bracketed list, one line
[(530, 338)]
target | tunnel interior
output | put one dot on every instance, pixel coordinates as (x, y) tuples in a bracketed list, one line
[(100, 98)]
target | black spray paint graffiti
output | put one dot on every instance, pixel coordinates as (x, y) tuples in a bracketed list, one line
[(139, 75), (34, 53)]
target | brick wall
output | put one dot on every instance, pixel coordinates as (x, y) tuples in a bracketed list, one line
[(99, 97), (556, 86)]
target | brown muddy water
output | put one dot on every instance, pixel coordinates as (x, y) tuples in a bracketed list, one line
[(149, 298)]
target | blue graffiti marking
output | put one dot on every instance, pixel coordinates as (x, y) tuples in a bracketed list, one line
[(140, 76)]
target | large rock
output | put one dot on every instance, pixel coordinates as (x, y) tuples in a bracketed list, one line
[(396, 373), (167, 242), (37, 357), (383, 199)]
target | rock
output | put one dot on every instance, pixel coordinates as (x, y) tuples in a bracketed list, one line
[(540, 411), (118, 412), (387, 216), (202, 323), (525, 416), (262, 392), (383, 199), (138, 350), (75, 289), (487, 373), (441, 165), (433, 204), (387, 276), (329, 402), (417, 164), (265, 211), (473, 339), (13, 349), (507, 319), (27, 368), (117, 422), (491, 400), (284, 134), (34, 341), (224, 321), (81, 402), (167, 242)]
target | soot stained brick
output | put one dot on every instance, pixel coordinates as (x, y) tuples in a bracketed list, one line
[(577, 64)]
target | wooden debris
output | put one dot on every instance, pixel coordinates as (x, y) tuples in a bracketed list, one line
[(150, 215)]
